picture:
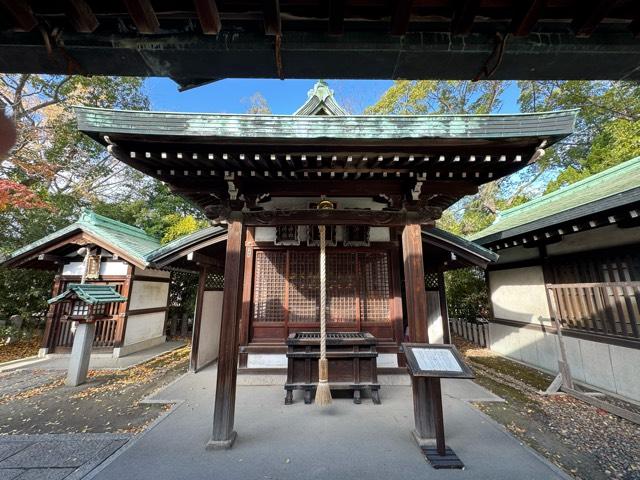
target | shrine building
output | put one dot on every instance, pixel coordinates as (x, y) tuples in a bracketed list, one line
[(262, 176)]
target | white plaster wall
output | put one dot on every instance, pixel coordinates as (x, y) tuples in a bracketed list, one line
[(519, 294), (148, 294), (607, 367), (210, 327), (605, 237), (434, 318), (144, 327), (516, 254), (106, 268)]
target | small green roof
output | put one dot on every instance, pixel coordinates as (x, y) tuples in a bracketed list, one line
[(132, 241), (616, 186), (90, 293)]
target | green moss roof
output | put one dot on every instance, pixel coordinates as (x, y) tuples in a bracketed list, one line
[(89, 293), (552, 126), (613, 187), (131, 240)]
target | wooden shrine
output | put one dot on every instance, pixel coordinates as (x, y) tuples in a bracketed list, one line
[(388, 179)]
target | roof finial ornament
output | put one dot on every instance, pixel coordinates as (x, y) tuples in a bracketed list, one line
[(320, 101)]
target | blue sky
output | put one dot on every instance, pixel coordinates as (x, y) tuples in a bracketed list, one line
[(283, 96)]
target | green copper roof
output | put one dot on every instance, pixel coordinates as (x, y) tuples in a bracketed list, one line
[(545, 125), (194, 239), (321, 102), (472, 251), (616, 186), (131, 240), (89, 293)]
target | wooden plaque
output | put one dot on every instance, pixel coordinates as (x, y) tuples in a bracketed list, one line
[(436, 361)]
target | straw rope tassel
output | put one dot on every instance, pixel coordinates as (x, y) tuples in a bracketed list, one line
[(323, 393)]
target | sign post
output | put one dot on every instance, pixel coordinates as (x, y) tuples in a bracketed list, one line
[(427, 364)]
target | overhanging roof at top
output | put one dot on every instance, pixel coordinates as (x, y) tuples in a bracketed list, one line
[(303, 155), (245, 128), (615, 188), (198, 42)]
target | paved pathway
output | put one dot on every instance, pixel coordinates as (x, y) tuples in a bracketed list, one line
[(55, 457), (298, 441)]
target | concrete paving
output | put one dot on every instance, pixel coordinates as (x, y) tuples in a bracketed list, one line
[(303, 441), (53, 457), (100, 361)]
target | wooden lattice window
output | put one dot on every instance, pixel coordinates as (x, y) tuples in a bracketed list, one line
[(269, 282), (214, 281), (313, 235), (342, 287), (287, 287), (304, 287), (375, 289), (287, 235), (431, 281), (356, 236)]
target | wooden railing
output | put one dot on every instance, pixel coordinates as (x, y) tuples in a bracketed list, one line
[(610, 308)]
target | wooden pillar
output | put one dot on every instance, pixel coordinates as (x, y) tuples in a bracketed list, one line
[(197, 320), (123, 309), (416, 301), (444, 311), (48, 337), (223, 434), (415, 292)]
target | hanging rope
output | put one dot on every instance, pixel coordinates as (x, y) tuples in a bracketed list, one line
[(323, 393)]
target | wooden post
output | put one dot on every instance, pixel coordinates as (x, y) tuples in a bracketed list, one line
[(416, 302), (197, 320), (48, 337), (444, 311), (223, 434), (416, 295)]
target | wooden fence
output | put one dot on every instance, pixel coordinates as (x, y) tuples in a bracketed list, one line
[(610, 308), (474, 331)]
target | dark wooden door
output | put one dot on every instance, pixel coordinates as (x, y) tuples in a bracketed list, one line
[(286, 292)]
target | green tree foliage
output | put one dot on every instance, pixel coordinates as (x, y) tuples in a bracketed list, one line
[(467, 294), (420, 97), (182, 226), (607, 129), (62, 168)]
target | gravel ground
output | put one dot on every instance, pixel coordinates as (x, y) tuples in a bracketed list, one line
[(587, 442), (108, 403)]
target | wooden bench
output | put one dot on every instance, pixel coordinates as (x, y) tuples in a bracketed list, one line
[(352, 358)]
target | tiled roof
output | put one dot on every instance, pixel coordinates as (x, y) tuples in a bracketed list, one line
[(549, 125), (613, 187), (131, 240), (89, 293)]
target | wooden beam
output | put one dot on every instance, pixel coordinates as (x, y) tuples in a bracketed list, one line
[(401, 16), (208, 16), (589, 15), (272, 20), (342, 217), (197, 320), (223, 434), (336, 17), (464, 14), (81, 16), (142, 14), (21, 13), (527, 13)]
